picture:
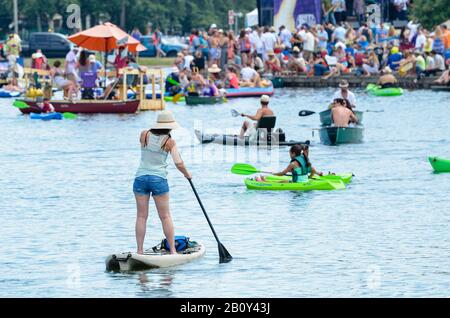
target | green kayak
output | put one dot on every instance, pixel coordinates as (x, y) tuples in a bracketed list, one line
[(283, 185), (346, 178), (203, 100), (440, 164), (326, 120), (170, 99), (376, 90)]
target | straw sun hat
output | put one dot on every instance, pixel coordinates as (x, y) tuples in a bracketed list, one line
[(166, 120), (343, 84), (214, 69)]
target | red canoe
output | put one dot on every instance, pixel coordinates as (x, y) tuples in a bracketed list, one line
[(87, 107)]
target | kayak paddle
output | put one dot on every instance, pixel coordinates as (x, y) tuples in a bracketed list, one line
[(173, 82), (21, 105), (235, 113), (69, 116), (225, 256), (177, 97), (244, 169), (306, 113)]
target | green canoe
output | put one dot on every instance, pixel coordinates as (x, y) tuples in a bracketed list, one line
[(376, 90), (170, 99), (203, 100), (282, 185), (339, 135), (326, 120), (440, 164)]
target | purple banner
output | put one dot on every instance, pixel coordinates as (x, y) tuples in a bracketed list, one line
[(294, 13)]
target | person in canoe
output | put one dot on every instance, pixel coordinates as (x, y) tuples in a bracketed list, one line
[(300, 167), (151, 177), (249, 129), (387, 79), (342, 114), (345, 93)]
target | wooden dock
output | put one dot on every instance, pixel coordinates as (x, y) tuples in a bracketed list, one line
[(354, 81)]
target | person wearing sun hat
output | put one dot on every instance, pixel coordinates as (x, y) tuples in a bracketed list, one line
[(249, 129), (151, 177), (345, 93)]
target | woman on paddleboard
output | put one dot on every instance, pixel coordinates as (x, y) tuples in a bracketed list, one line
[(151, 177)]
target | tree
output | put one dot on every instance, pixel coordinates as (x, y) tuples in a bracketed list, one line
[(431, 12)]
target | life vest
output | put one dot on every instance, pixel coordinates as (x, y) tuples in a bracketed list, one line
[(300, 174)]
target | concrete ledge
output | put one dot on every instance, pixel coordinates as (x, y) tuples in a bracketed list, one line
[(354, 81)]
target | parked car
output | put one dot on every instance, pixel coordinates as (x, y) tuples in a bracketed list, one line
[(171, 48), (53, 45)]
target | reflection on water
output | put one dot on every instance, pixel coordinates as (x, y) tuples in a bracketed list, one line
[(66, 202)]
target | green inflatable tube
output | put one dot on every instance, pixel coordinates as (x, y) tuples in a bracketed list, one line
[(376, 90), (439, 164), (170, 99)]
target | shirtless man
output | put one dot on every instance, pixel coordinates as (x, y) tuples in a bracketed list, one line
[(264, 111), (387, 79), (214, 51), (341, 115)]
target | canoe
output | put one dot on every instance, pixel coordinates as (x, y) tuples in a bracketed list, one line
[(440, 88), (152, 260), (376, 90), (339, 135), (203, 100), (346, 178), (311, 185), (86, 106), (233, 140), (326, 120), (46, 117), (8, 94), (277, 82), (439, 164), (249, 92), (170, 99)]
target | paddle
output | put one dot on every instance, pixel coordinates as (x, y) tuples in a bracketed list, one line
[(177, 97), (306, 113), (235, 113), (246, 169), (69, 116), (21, 105), (225, 256)]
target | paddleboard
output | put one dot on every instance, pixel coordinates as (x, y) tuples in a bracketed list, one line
[(125, 262)]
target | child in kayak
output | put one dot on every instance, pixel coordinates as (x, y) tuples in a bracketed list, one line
[(300, 166)]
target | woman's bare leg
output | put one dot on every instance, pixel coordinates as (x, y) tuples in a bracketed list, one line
[(244, 129), (162, 205), (141, 221)]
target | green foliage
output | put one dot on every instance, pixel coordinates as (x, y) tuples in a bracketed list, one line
[(170, 15), (431, 12)]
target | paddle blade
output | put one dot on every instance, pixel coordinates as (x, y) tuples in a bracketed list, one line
[(69, 116), (235, 113), (173, 82), (225, 256), (243, 169), (306, 113), (177, 97), (21, 105)]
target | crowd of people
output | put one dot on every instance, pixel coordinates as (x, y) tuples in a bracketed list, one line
[(324, 50)]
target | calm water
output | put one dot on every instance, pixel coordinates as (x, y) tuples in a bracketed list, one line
[(66, 203)]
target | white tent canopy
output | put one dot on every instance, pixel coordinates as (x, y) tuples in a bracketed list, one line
[(251, 18)]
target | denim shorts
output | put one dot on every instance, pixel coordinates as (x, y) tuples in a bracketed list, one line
[(150, 185)]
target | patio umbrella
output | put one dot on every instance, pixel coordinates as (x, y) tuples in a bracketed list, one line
[(104, 38)]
